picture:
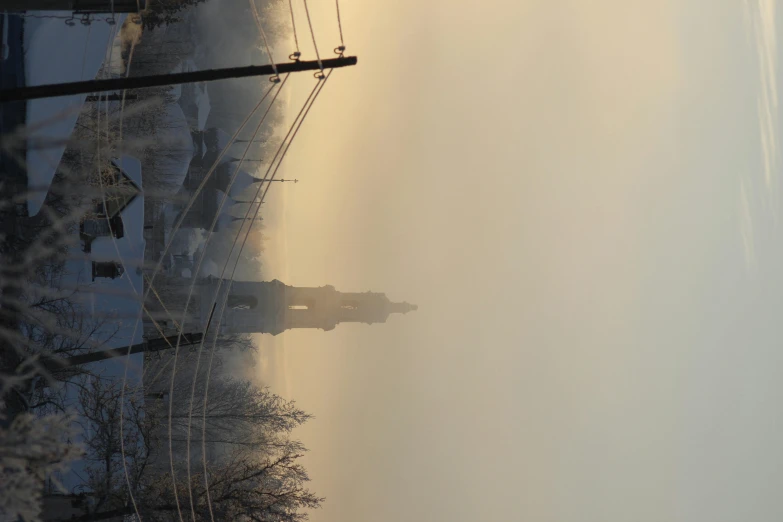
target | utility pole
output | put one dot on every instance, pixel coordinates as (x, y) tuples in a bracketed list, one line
[(77, 6), (33, 92), (148, 346)]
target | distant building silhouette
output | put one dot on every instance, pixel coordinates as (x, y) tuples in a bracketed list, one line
[(273, 307), (119, 191)]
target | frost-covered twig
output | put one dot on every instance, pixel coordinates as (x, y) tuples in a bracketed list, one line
[(31, 450)]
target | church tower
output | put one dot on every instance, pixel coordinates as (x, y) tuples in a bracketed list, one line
[(273, 307)]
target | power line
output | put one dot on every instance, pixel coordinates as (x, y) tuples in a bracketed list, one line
[(178, 224), (296, 124), (315, 45), (142, 308), (340, 49), (257, 18), (296, 54), (191, 288)]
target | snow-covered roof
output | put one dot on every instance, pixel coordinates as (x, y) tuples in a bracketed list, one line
[(202, 102), (131, 245), (194, 97), (224, 221), (176, 92), (174, 137), (222, 138), (242, 182), (130, 166), (227, 201), (54, 53), (186, 65)]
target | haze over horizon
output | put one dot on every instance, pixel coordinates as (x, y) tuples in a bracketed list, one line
[(582, 199)]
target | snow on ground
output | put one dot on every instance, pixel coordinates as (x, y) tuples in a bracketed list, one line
[(121, 293), (115, 299), (56, 52)]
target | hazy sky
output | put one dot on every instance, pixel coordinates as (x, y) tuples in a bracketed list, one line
[(581, 197)]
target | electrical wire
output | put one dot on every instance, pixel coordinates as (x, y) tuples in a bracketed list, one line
[(284, 146)]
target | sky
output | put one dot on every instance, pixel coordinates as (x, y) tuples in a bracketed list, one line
[(583, 200)]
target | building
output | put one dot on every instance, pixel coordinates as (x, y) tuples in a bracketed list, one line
[(204, 207), (251, 307), (119, 190), (273, 307)]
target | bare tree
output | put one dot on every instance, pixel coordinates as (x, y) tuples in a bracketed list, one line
[(109, 440), (257, 476), (31, 449), (237, 412), (245, 487), (164, 12)]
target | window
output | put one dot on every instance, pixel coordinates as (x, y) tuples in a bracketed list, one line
[(242, 302)]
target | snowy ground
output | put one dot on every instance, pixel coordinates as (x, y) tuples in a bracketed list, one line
[(56, 52), (121, 296), (118, 298)]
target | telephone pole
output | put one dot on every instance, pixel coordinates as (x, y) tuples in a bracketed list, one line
[(110, 97), (77, 6), (33, 92), (148, 346)]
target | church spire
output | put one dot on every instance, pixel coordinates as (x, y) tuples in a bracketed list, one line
[(273, 307), (402, 308)]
